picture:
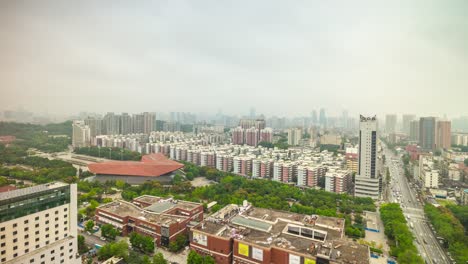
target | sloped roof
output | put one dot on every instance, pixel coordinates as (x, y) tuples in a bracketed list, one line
[(151, 165)]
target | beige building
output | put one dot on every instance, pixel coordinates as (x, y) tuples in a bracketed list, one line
[(443, 134), (330, 139), (38, 225)]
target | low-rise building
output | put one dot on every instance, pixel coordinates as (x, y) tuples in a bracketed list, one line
[(244, 234), (162, 219)]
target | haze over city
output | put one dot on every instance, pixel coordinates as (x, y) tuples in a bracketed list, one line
[(284, 58)]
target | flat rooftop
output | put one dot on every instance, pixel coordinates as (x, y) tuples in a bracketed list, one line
[(306, 234), (123, 209), (31, 190), (160, 205)]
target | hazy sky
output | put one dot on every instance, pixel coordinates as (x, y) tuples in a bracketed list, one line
[(283, 57)]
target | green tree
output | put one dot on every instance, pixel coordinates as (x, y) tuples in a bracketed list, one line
[(82, 248), (143, 243), (117, 249), (89, 226), (159, 259), (466, 162), (109, 231), (266, 144), (194, 258)]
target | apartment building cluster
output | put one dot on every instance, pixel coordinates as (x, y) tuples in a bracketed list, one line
[(245, 234), (161, 218), (251, 132), (299, 166), (460, 139)]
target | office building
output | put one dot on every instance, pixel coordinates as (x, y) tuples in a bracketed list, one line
[(390, 123), (414, 130), (427, 130), (81, 136), (245, 234), (39, 225), (406, 122), (443, 134), (368, 182), (294, 136)]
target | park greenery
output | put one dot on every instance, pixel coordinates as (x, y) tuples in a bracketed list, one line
[(195, 258), (82, 248), (330, 148), (143, 243), (180, 242), (460, 148), (137, 258), (109, 153), (42, 137), (400, 237), (450, 228), (266, 144), (461, 213)]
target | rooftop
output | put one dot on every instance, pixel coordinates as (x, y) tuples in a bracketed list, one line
[(31, 190), (151, 165), (160, 205), (123, 209)]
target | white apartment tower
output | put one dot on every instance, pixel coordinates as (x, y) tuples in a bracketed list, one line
[(38, 225), (81, 136), (368, 181)]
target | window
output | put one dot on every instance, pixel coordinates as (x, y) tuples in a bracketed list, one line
[(15, 247), (65, 229), (42, 256), (70, 257), (62, 261), (37, 246), (56, 218), (31, 261), (3, 259), (65, 235), (2, 245), (2, 229), (26, 229), (26, 243), (37, 239), (15, 233), (47, 236), (43, 262), (15, 240), (47, 215), (56, 232), (2, 237), (65, 216), (56, 238), (26, 250), (52, 252), (70, 250), (56, 225), (47, 229), (61, 248), (65, 209), (52, 258), (61, 254), (71, 243), (37, 225), (37, 232), (56, 212), (47, 242), (37, 218), (66, 222), (26, 221), (15, 225), (3, 252), (15, 255), (47, 222)]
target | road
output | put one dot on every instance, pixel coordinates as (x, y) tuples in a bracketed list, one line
[(401, 192)]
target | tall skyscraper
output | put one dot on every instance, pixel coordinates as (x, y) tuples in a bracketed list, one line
[(81, 136), (427, 129), (253, 113), (322, 118), (111, 122), (95, 126), (138, 123), (443, 134), (414, 130), (39, 224), (390, 123), (368, 182), (294, 136), (126, 124), (148, 122), (407, 123), (314, 117)]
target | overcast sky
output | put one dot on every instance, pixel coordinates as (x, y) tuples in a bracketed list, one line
[(282, 57)]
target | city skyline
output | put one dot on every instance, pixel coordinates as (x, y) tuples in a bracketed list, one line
[(367, 57)]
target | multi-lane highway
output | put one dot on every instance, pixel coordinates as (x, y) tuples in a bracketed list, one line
[(401, 192)]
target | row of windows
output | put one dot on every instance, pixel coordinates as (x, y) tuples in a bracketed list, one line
[(37, 219), (43, 262), (37, 240)]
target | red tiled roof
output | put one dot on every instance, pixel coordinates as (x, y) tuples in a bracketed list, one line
[(152, 165)]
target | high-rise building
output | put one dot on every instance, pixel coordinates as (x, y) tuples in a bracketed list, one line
[(111, 123), (138, 123), (407, 123), (95, 126), (414, 130), (368, 182), (427, 129), (39, 224), (248, 123), (390, 123), (253, 114), (338, 181), (252, 136), (237, 136), (294, 136), (149, 120), (322, 118), (126, 124), (443, 134), (314, 117), (266, 135), (81, 136)]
